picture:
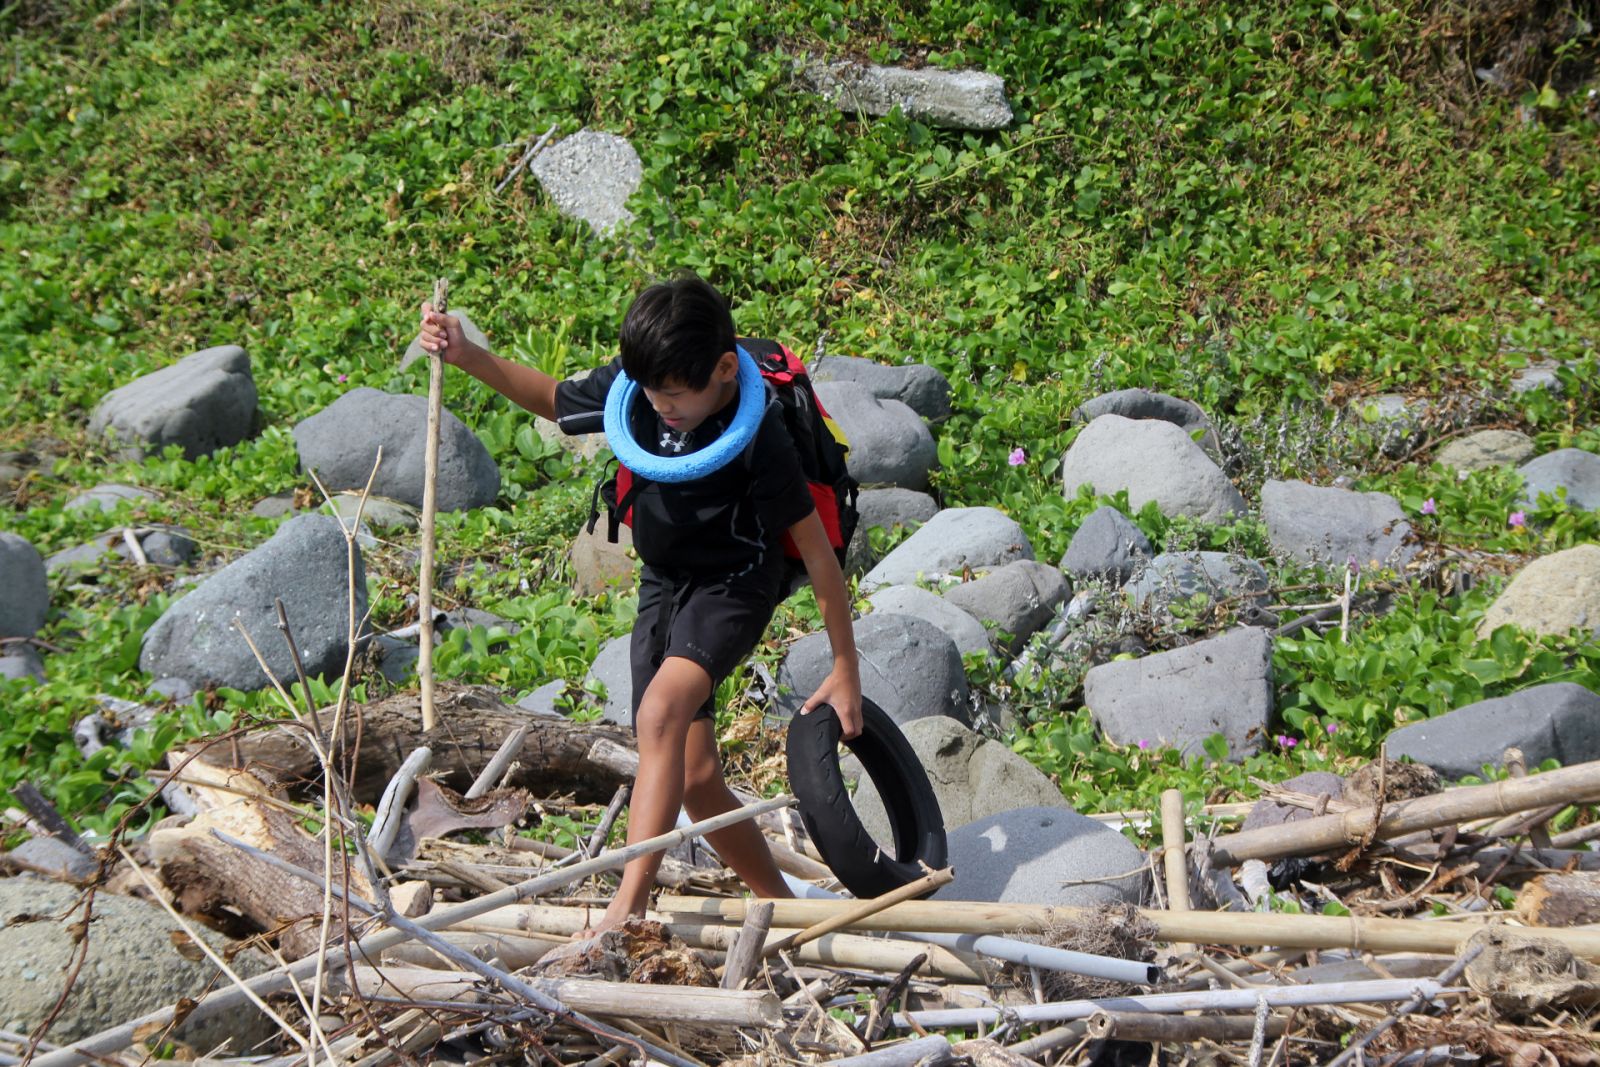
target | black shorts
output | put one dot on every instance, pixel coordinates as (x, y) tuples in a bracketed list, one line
[(714, 622)]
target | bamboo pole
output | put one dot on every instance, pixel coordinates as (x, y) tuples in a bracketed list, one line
[(646, 1003), (1177, 1029), (1569, 785), (1197, 927), (430, 477), (1175, 862), (745, 955), (119, 1037), (923, 1052)]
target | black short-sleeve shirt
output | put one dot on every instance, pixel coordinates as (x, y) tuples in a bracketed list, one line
[(730, 522)]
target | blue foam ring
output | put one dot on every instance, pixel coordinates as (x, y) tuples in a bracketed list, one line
[(715, 456)]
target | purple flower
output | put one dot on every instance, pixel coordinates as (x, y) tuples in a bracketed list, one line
[(1285, 741), (1333, 728), (344, 378), (1018, 457), (1143, 744), (1517, 520), (1428, 507), (1352, 565)]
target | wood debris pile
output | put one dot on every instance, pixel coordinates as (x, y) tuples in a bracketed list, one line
[(1370, 928)]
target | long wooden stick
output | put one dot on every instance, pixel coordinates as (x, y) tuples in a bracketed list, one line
[(861, 909), (1177, 1029), (430, 477), (1175, 862), (119, 1037), (1197, 927), (1570, 785)]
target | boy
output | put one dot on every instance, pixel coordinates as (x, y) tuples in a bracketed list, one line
[(713, 566)]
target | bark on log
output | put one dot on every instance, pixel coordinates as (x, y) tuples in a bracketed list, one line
[(588, 760), (209, 878), (1561, 900)]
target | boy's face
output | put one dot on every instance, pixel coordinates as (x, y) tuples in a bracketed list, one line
[(683, 409)]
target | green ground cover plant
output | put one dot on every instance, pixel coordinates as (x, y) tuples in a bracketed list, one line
[(1272, 211)]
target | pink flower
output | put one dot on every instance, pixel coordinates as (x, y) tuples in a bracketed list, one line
[(1333, 728), (1285, 741), (1017, 458), (344, 378), (1517, 520), (1428, 507), (1143, 744)]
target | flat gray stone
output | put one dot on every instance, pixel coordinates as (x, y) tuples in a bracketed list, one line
[(1572, 469), (56, 859), (1154, 461), (1541, 374), (951, 541), (1554, 594), (967, 632), (378, 512), (341, 441), (1106, 546), (963, 99), (909, 667), (162, 546), (168, 546), (1487, 449), (611, 668), (542, 701), (1047, 856), (1323, 526), (889, 443), (1313, 783), (1177, 699), (1177, 578), (1145, 404), (1018, 598), (106, 497), (27, 592), (598, 566), (201, 403), (972, 776), (304, 563), (273, 507), (885, 509), (590, 176), (171, 688), (916, 385), (414, 351), (1559, 721), (133, 967)]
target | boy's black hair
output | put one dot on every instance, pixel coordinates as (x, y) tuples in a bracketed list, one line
[(674, 333)]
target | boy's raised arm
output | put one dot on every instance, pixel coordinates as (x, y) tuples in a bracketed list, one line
[(842, 687), (527, 387)]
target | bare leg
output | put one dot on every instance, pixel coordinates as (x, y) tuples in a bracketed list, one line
[(706, 794), (669, 704)]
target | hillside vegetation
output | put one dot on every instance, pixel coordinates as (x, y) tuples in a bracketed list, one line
[(1274, 210)]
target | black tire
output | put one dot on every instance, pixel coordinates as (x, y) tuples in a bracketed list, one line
[(830, 818)]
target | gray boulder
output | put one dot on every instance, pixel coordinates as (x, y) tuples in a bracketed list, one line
[(1177, 578), (27, 593), (1572, 469), (599, 566), (916, 385), (963, 99), (1487, 449), (1154, 461), (889, 443), (167, 546), (1018, 598), (133, 967), (341, 441), (909, 667), (611, 669), (972, 776), (1265, 813), (1044, 856), (106, 497), (885, 509), (54, 859), (590, 176), (1559, 721), (1106, 546), (1144, 404), (1179, 698), (164, 546), (951, 541), (542, 701), (1552, 595), (201, 403), (967, 632), (1540, 374), (414, 351), (21, 661), (1325, 526), (304, 563)]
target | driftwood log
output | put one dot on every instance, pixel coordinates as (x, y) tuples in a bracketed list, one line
[(557, 756)]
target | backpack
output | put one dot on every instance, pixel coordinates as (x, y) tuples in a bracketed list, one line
[(821, 445)]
